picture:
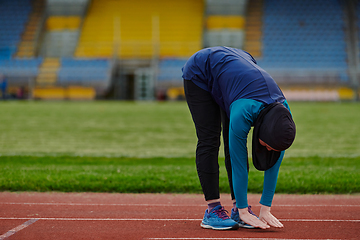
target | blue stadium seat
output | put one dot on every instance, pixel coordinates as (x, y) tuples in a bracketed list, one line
[(358, 24), (170, 70), (303, 34), (20, 67), (93, 71), (13, 17)]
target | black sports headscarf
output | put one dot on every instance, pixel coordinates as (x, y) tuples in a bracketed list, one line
[(275, 127)]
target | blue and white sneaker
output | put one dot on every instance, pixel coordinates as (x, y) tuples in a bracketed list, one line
[(218, 219), (236, 217)]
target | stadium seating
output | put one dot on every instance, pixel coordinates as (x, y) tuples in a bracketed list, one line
[(20, 67), (306, 39), (13, 17), (224, 37), (47, 75), (225, 21), (85, 72), (303, 34), (63, 22), (358, 25), (80, 93), (49, 93), (253, 28), (234, 22), (59, 43), (170, 70), (27, 47), (62, 93), (141, 29), (62, 27), (66, 7)]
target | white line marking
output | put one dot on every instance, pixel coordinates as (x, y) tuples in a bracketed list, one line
[(315, 205), (168, 219), (238, 239), (165, 205), (105, 219), (18, 228), (320, 220), (100, 204)]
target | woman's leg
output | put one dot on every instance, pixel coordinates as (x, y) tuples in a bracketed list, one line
[(225, 130), (207, 119)]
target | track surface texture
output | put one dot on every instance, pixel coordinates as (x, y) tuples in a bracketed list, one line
[(32, 215)]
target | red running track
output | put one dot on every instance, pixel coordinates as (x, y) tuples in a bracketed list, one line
[(168, 216)]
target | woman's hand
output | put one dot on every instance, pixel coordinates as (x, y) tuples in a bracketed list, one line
[(251, 219), (268, 218)]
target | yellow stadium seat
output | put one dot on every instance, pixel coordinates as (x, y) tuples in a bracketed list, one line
[(218, 22), (175, 93), (134, 28), (346, 93), (73, 22), (80, 93), (49, 93), (54, 23)]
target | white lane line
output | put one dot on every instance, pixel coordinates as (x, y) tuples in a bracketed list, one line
[(18, 228), (104, 219), (168, 205), (239, 239), (320, 220), (169, 219)]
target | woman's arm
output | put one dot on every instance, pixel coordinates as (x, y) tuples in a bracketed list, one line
[(242, 114), (241, 118)]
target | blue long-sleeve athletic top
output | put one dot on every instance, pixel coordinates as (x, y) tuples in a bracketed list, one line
[(230, 74), (242, 89)]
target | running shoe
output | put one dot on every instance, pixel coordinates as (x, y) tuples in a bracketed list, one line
[(236, 217), (218, 219)]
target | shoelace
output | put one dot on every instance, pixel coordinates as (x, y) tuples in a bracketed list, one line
[(222, 213), (250, 211)]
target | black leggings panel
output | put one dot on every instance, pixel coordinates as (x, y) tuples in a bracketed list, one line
[(208, 118)]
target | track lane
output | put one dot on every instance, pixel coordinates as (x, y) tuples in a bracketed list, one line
[(172, 216)]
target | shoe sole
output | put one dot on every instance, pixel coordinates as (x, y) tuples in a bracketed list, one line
[(234, 227), (246, 226)]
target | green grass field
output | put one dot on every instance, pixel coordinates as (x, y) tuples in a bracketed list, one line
[(149, 147)]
